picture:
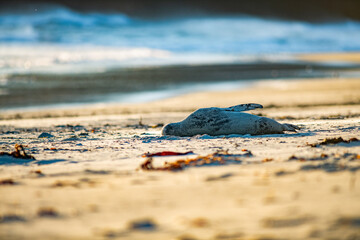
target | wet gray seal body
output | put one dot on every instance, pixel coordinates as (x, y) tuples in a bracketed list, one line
[(224, 121)]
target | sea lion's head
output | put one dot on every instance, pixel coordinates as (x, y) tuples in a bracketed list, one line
[(172, 129)]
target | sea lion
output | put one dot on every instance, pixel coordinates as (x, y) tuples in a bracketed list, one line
[(224, 121)]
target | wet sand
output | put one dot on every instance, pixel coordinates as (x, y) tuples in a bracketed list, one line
[(87, 183), (114, 85)]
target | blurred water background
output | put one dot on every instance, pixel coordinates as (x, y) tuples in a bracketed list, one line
[(51, 54)]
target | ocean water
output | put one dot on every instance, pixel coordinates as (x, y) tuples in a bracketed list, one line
[(58, 40), (54, 35)]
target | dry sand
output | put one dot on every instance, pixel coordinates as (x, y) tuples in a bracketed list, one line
[(86, 182)]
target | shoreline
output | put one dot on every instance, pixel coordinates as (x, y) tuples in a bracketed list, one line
[(299, 93), (150, 83)]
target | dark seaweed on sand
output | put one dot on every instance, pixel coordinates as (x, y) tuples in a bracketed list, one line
[(328, 141), (47, 212), (18, 153), (166, 153), (217, 158), (7, 181)]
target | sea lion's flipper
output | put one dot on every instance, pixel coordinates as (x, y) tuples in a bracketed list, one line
[(290, 127), (243, 107)]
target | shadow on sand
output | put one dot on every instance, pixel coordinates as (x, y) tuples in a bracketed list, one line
[(7, 160)]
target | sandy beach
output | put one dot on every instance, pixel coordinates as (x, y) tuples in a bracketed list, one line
[(87, 89), (86, 181)]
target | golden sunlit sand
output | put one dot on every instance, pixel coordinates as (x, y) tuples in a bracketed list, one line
[(352, 57), (87, 176)]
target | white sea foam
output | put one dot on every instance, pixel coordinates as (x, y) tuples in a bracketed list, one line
[(15, 58)]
